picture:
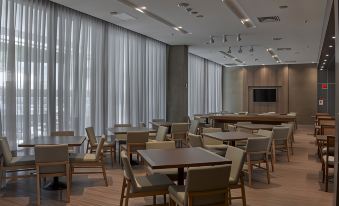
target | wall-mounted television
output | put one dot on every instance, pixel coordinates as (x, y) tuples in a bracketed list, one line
[(264, 95)]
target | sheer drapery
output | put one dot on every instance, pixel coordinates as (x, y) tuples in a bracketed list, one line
[(63, 70), (204, 86)]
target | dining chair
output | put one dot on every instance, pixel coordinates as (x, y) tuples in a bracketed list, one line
[(231, 128), (269, 134), (257, 152), (194, 127), (92, 144), (172, 173), (240, 129), (135, 141), (142, 186), (121, 138), (142, 124), (204, 186), (161, 134), (89, 161), (328, 160), (281, 141), (55, 165), (157, 120), (237, 156), (294, 114), (210, 142), (290, 134), (11, 164), (179, 133), (197, 141)]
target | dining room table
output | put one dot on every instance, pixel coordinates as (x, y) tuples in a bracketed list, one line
[(71, 141), (231, 137), (255, 127), (125, 130), (181, 158)]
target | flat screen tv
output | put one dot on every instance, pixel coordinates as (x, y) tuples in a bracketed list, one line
[(264, 95)]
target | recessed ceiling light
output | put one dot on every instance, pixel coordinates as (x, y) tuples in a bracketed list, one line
[(176, 28), (333, 37), (330, 46), (183, 4), (313, 62), (325, 60), (327, 55), (263, 64), (321, 69), (180, 27), (141, 9)]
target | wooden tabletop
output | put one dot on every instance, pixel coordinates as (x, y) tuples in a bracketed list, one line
[(157, 124), (230, 136), (124, 130), (71, 141), (268, 119), (256, 126), (181, 157)]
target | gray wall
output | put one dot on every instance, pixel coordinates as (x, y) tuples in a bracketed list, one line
[(177, 77), (233, 85)]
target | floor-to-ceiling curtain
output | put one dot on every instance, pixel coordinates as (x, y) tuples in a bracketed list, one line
[(204, 86), (64, 70)]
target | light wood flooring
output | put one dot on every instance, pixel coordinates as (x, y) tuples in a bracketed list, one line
[(294, 183)]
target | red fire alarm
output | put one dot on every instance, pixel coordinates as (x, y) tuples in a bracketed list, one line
[(324, 86)]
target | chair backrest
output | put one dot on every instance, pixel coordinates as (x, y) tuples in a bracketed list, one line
[(128, 172), (258, 144), (98, 151), (6, 151), (207, 179), (327, 129), (194, 127), (137, 137), (160, 145), (237, 156), (280, 133), (91, 136), (231, 128), (62, 133), (211, 129), (265, 133), (161, 133), (179, 128), (195, 140), (122, 125), (291, 128), (158, 120), (59, 156)]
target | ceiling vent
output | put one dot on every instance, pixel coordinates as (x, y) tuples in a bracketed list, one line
[(284, 49), (268, 19), (227, 55), (230, 65), (123, 16), (291, 61), (277, 38)]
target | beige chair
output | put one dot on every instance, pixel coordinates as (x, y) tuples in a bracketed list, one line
[(197, 141), (281, 141), (179, 133), (257, 152), (205, 186), (135, 141), (172, 173), (10, 164), (142, 186), (210, 142), (55, 165), (92, 144), (240, 129), (290, 134), (121, 138), (89, 161), (161, 134), (193, 129), (269, 134), (294, 114), (231, 128), (237, 156), (328, 160), (157, 120)]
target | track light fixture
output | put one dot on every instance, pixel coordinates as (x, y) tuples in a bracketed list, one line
[(224, 40), (239, 37), (229, 50), (211, 39), (240, 49)]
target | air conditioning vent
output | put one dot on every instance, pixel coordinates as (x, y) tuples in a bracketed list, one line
[(284, 49), (226, 54), (230, 65), (268, 19), (291, 61), (277, 38)]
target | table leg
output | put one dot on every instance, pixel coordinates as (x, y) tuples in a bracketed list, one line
[(181, 176), (55, 185)]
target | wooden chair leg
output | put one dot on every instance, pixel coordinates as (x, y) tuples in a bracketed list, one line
[(104, 174), (229, 197), (272, 163), (288, 152), (154, 200), (123, 192), (326, 177), (164, 199), (268, 171), (68, 189), (243, 195), (112, 154), (249, 165), (127, 194)]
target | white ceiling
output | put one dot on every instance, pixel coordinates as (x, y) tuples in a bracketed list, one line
[(303, 38)]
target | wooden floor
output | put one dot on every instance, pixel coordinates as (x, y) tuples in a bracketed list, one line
[(295, 183)]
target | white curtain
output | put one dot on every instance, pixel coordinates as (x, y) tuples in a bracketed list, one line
[(204, 86), (63, 70)]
